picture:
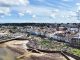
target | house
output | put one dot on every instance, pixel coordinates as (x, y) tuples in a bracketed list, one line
[(75, 40)]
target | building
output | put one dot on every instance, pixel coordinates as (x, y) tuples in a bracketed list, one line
[(75, 41)]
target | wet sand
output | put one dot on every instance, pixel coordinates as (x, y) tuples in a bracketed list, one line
[(10, 50), (7, 54)]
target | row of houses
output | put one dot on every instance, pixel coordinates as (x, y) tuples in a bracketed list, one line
[(67, 36), (64, 34)]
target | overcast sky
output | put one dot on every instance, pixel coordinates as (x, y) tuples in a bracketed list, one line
[(39, 11)]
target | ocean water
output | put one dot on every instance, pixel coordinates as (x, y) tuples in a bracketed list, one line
[(6, 54)]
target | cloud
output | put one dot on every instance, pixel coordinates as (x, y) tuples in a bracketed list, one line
[(14, 2), (50, 12), (4, 10), (78, 4), (53, 15), (28, 11), (21, 14), (33, 16), (41, 13), (6, 6)]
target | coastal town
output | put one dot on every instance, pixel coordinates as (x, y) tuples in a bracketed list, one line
[(39, 29), (28, 41)]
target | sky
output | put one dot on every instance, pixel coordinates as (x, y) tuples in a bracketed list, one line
[(39, 11)]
